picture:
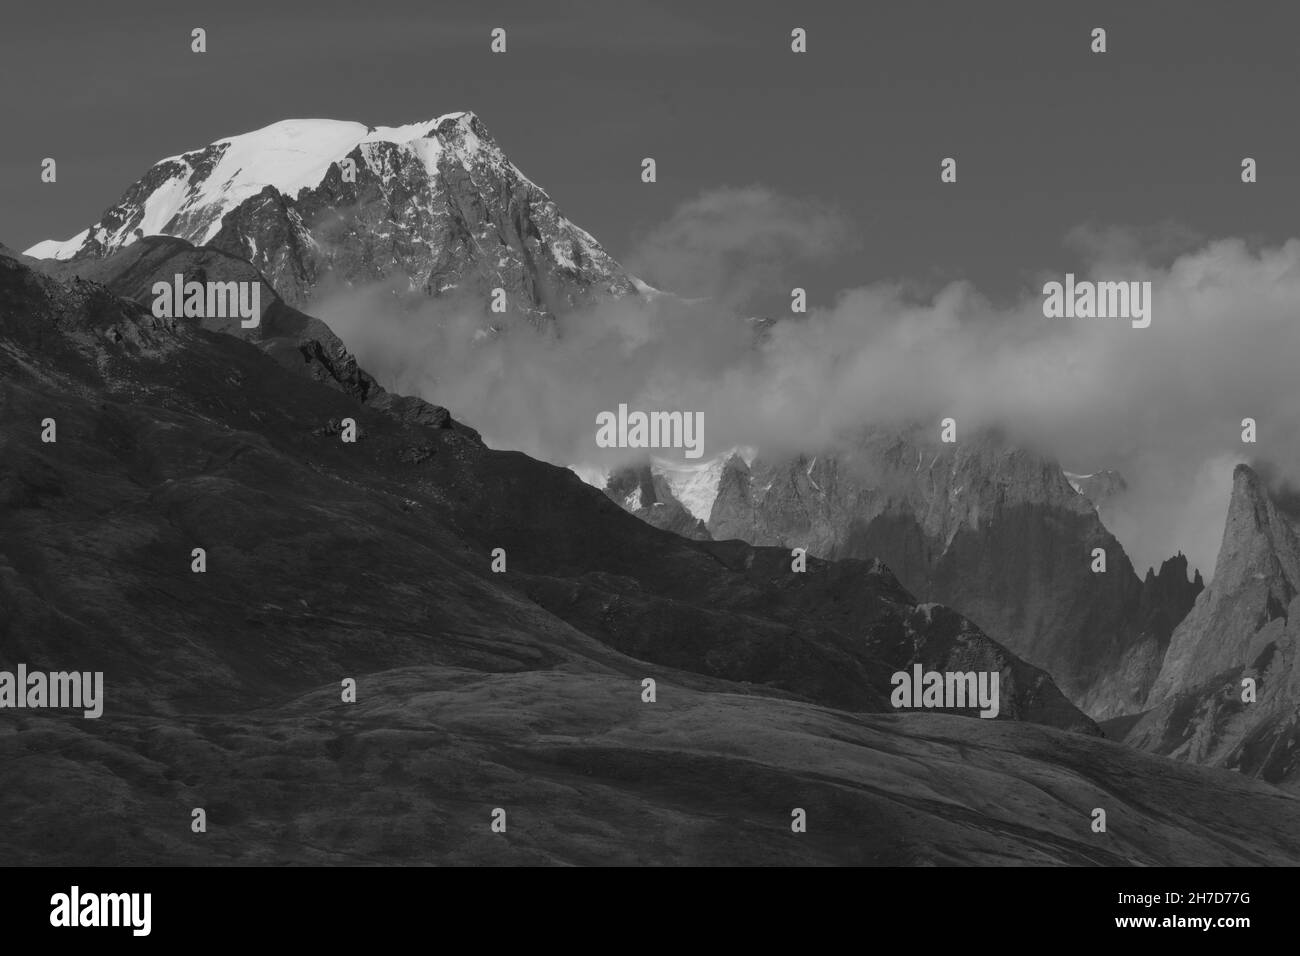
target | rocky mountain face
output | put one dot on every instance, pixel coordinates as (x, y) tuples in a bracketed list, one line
[(1243, 627), (1257, 577), (993, 530), (648, 494), (432, 209)]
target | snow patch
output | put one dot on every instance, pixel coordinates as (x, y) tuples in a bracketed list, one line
[(694, 485), (560, 252), (1075, 480), (928, 611), (808, 474), (54, 249)]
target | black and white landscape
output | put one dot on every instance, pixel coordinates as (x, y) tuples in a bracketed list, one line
[(376, 571)]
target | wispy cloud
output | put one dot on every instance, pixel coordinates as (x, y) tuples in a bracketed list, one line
[(1163, 404)]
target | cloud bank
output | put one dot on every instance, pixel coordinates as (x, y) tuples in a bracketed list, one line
[(1163, 405)]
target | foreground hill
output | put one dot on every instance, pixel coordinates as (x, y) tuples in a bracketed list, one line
[(589, 775)]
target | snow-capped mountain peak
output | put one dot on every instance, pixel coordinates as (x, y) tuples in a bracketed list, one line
[(434, 203), (188, 194)]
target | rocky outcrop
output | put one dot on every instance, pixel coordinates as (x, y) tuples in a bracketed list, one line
[(1228, 693), (979, 525), (1256, 577), (649, 496)]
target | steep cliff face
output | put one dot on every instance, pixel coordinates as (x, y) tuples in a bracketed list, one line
[(1238, 642), (1256, 578), (993, 530), (432, 208)]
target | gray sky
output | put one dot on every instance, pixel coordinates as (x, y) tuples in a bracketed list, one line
[(1047, 136)]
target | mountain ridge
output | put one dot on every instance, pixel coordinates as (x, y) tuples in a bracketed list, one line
[(998, 531)]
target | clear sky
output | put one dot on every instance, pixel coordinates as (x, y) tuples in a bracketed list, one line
[(1047, 135)]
